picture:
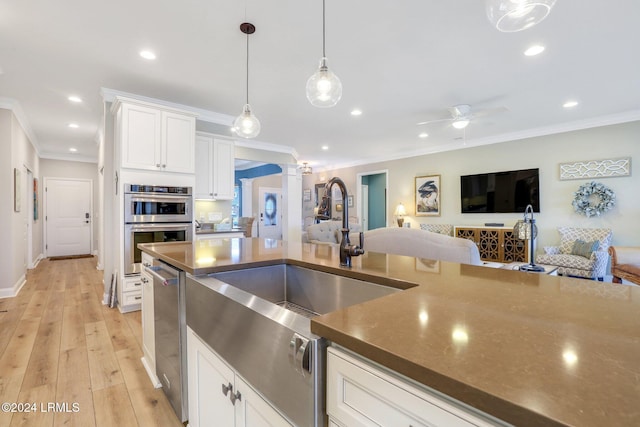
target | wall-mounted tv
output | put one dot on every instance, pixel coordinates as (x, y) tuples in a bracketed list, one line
[(500, 192)]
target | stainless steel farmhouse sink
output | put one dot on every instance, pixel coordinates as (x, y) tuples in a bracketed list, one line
[(258, 320)]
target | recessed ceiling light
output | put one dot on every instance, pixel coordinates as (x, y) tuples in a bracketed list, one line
[(534, 50), (570, 104), (73, 150), (74, 98), (356, 112), (325, 147), (423, 135), (73, 125), (147, 54)]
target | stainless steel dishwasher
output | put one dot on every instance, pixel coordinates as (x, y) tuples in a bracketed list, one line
[(170, 334)]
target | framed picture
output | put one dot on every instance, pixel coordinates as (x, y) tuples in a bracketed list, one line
[(35, 199), (428, 195), (306, 195)]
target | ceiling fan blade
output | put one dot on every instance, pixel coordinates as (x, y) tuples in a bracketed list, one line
[(434, 121), (489, 111)]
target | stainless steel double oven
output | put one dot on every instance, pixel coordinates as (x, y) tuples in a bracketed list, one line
[(154, 214)]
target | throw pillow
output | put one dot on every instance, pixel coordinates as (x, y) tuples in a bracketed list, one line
[(585, 249)]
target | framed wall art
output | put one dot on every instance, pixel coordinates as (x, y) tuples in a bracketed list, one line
[(428, 195)]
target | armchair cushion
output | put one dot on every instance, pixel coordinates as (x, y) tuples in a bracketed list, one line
[(569, 235), (446, 229), (585, 249)]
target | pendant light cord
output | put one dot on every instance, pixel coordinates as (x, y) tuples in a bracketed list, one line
[(323, 30), (247, 68)]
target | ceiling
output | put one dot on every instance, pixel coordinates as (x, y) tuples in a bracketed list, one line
[(400, 63)]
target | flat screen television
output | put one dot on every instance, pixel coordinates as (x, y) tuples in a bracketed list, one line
[(500, 192)]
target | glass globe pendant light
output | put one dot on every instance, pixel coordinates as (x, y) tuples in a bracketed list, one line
[(516, 15), (323, 87), (247, 125)]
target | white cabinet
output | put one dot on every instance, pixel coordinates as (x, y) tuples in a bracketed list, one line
[(130, 293), (218, 396), (362, 394), (155, 138), (148, 329), (215, 168)]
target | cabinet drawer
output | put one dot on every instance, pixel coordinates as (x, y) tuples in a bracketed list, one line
[(132, 283), (359, 394), (131, 298)]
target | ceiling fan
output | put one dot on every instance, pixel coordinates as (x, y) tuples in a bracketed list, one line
[(461, 115)]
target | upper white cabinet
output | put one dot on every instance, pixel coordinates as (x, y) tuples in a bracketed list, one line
[(215, 168), (155, 138)]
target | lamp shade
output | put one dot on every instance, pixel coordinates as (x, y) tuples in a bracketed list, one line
[(516, 15), (246, 124), (400, 210), (324, 88)]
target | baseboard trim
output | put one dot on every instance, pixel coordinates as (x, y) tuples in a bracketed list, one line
[(15, 289), (152, 375)]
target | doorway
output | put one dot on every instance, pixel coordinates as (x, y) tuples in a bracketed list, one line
[(372, 199), (270, 225), (68, 216)]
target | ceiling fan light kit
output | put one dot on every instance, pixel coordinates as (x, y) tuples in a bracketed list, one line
[(324, 88), (247, 125), (510, 16)]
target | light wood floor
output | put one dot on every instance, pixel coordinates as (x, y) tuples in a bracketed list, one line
[(59, 344)]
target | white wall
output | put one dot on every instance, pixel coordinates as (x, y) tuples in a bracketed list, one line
[(50, 168), (545, 153), (16, 152)]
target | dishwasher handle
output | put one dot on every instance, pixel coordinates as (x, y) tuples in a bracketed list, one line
[(167, 279)]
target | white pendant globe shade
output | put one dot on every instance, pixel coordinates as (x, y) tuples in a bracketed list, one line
[(246, 125), (516, 15), (324, 88)]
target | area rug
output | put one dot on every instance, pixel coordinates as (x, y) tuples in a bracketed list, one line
[(58, 258)]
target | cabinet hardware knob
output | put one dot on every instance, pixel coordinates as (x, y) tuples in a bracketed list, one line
[(227, 388), (235, 396), (137, 284), (164, 166), (138, 298), (157, 165)]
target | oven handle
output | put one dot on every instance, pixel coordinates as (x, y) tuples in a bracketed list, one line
[(159, 227), (174, 199), (166, 281)]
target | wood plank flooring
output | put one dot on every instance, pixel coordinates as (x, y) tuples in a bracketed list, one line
[(59, 344)]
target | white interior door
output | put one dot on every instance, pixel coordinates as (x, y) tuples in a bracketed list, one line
[(365, 207), (68, 216), (270, 213)]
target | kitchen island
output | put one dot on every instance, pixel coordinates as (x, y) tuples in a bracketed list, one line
[(526, 348)]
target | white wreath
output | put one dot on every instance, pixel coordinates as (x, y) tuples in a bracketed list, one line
[(593, 199)]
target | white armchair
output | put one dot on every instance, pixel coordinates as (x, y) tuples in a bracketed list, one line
[(583, 252)]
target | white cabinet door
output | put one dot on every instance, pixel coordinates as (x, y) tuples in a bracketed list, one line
[(204, 157), (178, 143), (148, 328), (359, 394), (253, 411), (207, 375), (215, 167), (223, 169), (140, 138)]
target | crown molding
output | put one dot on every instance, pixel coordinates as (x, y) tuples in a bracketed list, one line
[(608, 120), (69, 157), (260, 145), (16, 108), (110, 95)]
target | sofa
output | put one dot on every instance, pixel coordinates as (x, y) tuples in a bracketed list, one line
[(625, 263), (446, 229), (421, 244), (328, 232)]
